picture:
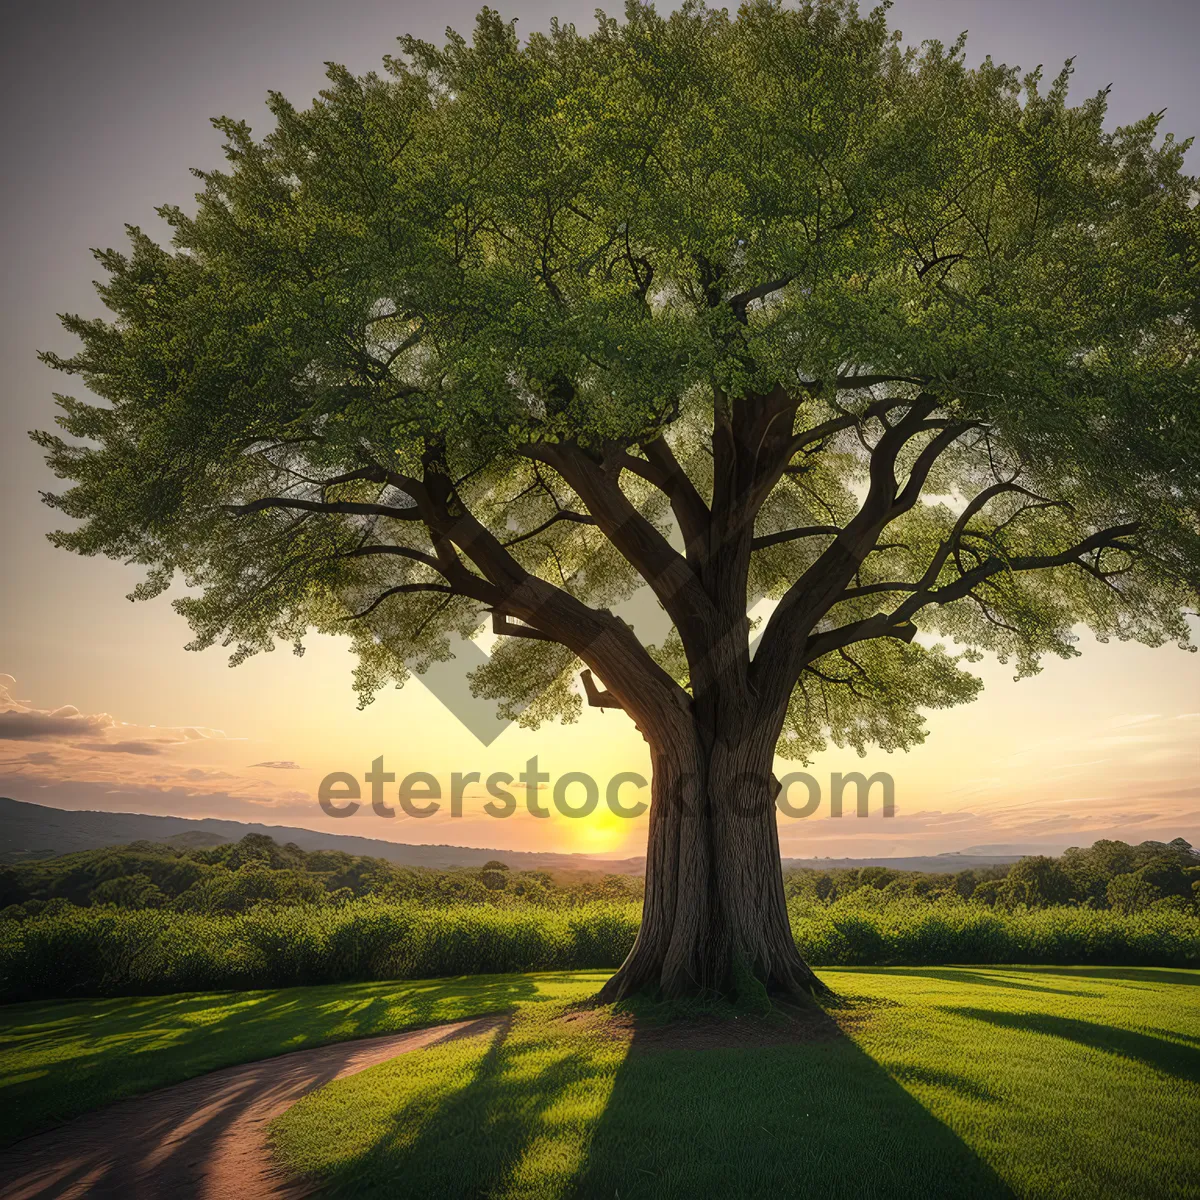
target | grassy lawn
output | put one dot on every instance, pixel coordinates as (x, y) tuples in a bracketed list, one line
[(62, 1058), (942, 1081), (945, 1082)]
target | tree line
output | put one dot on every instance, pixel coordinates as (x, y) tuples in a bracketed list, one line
[(1107, 874), (259, 872)]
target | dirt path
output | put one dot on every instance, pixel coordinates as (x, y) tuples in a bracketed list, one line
[(205, 1138)]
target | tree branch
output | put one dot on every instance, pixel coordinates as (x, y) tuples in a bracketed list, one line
[(1031, 562), (743, 300), (601, 640), (401, 589), (791, 535), (688, 505), (898, 623), (783, 647), (595, 697), (503, 625), (563, 514), (399, 551), (666, 571), (347, 507)]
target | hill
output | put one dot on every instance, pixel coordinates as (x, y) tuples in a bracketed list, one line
[(34, 831)]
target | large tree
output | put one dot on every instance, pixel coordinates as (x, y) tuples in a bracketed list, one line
[(731, 308)]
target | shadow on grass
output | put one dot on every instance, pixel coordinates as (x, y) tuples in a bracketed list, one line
[(984, 977), (163, 1163), (202, 1137), (573, 1116), (970, 1089), (1173, 1035), (816, 1118), (108, 1050), (1178, 976), (319, 1006), (1169, 1057), (505, 1110)]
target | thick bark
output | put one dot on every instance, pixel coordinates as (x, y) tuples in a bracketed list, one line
[(714, 920)]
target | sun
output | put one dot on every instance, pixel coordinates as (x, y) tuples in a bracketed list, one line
[(603, 832)]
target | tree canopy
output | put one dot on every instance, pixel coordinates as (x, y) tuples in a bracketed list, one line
[(732, 306)]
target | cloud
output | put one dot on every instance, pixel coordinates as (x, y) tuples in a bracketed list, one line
[(60, 756), (125, 747), (17, 725), (21, 721)]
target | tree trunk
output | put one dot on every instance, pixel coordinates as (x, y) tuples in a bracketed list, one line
[(714, 919)]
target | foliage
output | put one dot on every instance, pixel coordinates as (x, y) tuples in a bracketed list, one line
[(903, 345), (857, 933), (1036, 882), (128, 891), (108, 951), (257, 871), (1079, 876), (103, 951)]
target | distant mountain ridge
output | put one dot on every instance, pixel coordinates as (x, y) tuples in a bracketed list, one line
[(34, 831)]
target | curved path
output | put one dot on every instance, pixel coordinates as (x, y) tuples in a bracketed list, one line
[(205, 1138)]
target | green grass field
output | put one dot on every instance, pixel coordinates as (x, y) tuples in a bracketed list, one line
[(62, 1058), (945, 1082), (942, 1081)]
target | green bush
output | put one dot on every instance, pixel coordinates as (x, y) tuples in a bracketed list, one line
[(107, 951), (854, 932)]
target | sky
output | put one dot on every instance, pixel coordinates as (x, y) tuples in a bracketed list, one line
[(105, 108)]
